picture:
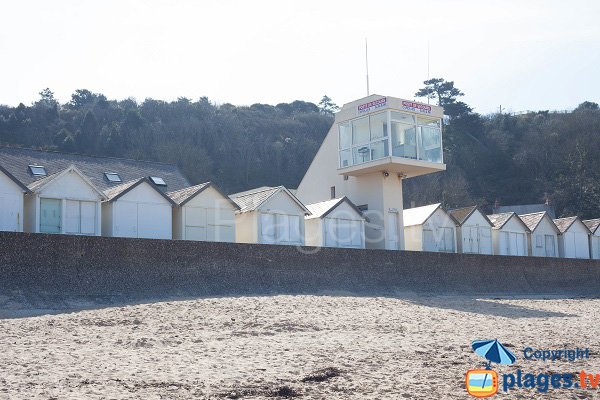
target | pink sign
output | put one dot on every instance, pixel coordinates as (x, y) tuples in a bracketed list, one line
[(412, 106), (372, 105)]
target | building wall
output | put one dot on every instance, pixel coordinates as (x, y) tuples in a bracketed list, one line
[(545, 228), (246, 227), (11, 205), (413, 237), (438, 220), (314, 232), (595, 245), (281, 203), (39, 267), (574, 243), (219, 212)]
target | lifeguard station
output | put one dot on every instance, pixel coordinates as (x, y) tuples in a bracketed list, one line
[(374, 143)]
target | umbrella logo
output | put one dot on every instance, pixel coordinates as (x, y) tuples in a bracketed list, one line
[(484, 382)]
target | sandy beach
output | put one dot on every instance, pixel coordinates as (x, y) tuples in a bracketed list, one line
[(313, 347)]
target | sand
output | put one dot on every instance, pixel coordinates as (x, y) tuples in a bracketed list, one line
[(271, 347)]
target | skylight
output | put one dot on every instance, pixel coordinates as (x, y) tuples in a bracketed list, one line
[(37, 170), (113, 177), (158, 181)]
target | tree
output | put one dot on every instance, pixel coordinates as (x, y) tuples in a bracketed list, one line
[(446, 95), (587, 105), (327, 106), (81, 98)]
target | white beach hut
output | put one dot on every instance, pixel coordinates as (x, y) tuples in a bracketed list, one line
[(509, 234), (429, 228), (203, 213), (543, 237), (269, 215), (65, 202), (137, 209), (593, 225), (335, 223), (12, 193), (573, 240), (473, 230)]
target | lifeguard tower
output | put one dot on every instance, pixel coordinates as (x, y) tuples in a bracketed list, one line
[(374, 143)]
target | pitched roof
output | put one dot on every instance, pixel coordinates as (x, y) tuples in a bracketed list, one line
[(418, 215), (181, 197), (17, 160), (592, 224), (532, 220), (323, 208), (250, 200), (41, 183), (499, 220), (461, 215), (117, 192), (15, 180), (563, 224)]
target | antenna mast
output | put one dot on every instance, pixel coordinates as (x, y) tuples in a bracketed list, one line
[(428, 68), (367, 64)]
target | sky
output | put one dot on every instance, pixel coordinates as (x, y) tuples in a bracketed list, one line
[(518, 55)]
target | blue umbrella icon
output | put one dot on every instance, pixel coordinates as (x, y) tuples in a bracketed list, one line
[(493, 351)]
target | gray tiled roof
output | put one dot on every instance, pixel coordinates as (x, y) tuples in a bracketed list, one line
[(117, 190), (322, 208), (532, 220), (461, 214), (498, 220), (564, 223), (17, 161), (592, 224), (252, 199), (182, 195)]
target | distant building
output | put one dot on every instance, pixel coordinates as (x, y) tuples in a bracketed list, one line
[(543, 237)]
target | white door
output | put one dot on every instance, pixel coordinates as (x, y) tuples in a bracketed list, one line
[(88, 218), (267, 228), (429, 240), (9, 212), (393, 241), (504, 244), (582, 249), (569, 241), (470, 239), (549, 245), (126, 219), (447, 240), (154, 221), (330, 226), (519, 241), (195, 223), (485, 240), (596, 247)]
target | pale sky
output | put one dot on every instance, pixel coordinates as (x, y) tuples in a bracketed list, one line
[(523, 55)]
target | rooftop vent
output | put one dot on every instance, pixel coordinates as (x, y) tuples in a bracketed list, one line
[(37, 170)]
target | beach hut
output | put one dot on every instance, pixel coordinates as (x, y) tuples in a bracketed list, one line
[(269, 215), (203, 213), (137, 209), (509, 234), (12, 192), (65, 202), (593, 225), (573, 240), (429, 228), (335, 223), (473, 230), (542, 241)]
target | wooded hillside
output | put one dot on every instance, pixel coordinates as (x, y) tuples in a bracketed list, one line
[(513, 159)]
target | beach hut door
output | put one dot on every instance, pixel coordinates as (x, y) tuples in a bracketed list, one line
[(393, 234)]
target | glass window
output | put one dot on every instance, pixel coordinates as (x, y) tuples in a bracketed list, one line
[(37, 170), (345, 135), (435, 123), (158, 181), (378, 126), (379, 150), (404, 140), (404, 118), (345, 158), (360, 154), (113, 177), (431, 142), (360, 131)]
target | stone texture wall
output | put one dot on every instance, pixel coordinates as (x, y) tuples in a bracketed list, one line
[(114, 269)]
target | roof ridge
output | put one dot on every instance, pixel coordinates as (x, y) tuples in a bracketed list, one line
[(255, 191)]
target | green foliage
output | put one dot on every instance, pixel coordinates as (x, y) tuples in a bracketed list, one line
[(446, 95), (327, 106)]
